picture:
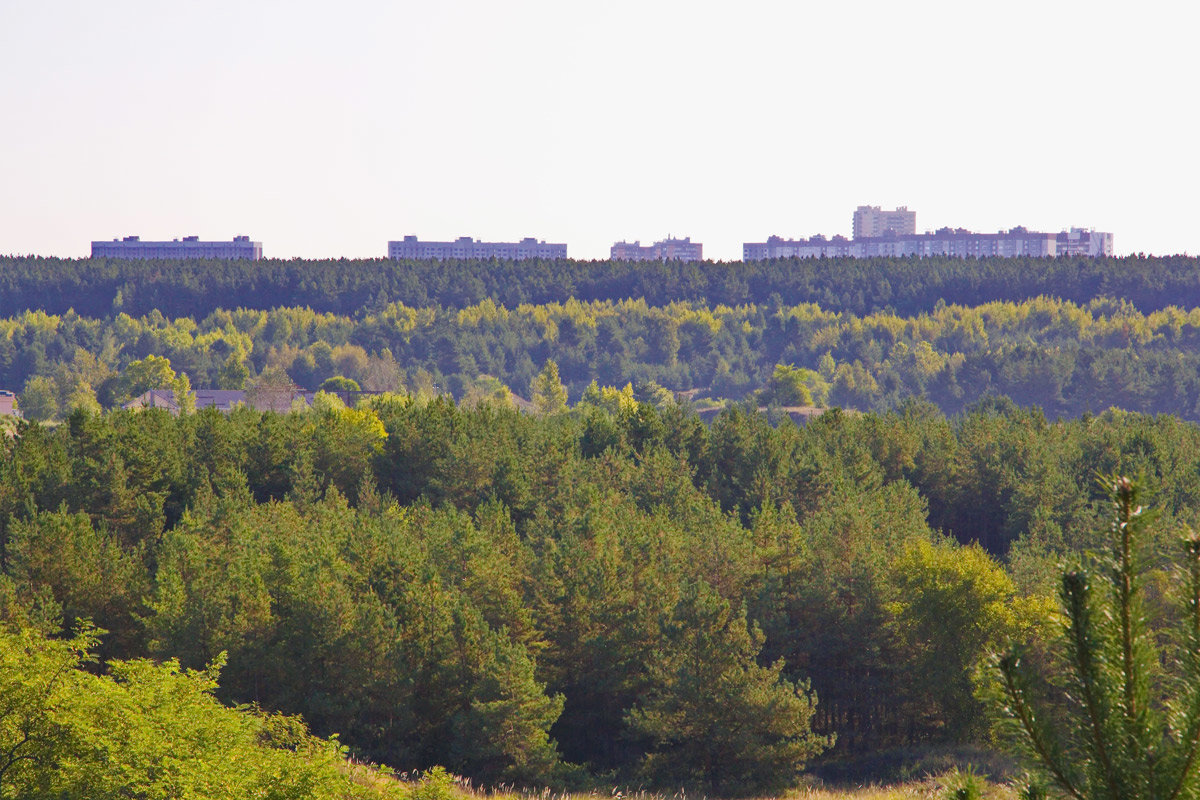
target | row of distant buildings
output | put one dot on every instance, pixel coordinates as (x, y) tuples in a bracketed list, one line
[(668, 249), (410, 247), (876, 232)]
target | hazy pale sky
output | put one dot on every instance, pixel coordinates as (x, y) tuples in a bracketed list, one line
[(327, 129)]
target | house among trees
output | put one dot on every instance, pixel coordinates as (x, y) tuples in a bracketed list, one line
[(8, 403)]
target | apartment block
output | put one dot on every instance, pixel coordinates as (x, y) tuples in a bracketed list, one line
[(871, 222), (1085, 242), (667, 250), (187, 247), (410, 247)]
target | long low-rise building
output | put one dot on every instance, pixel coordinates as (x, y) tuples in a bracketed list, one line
[(466, 247), (187, 247), (953, 242)]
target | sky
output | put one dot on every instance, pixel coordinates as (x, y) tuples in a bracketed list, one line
[(327, 129)]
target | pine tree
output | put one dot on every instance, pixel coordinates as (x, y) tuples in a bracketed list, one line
[(717, 721), (1131, 723), (549, 394)]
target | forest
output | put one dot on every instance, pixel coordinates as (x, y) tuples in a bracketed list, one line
[(568, 534), (1065, 358), (609, 591)]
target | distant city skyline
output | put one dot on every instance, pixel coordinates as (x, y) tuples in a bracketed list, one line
[(328, 130), (875, 232)]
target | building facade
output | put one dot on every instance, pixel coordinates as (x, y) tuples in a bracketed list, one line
[(8, 403), (667, 250), (187, 247), (872, 222), (410, 247)]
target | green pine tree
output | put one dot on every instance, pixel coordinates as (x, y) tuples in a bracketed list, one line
[(548, 393), (717, 721), (1131, 723)]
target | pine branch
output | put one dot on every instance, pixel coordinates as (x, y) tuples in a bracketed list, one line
[(1038, 739), (1075, 592)]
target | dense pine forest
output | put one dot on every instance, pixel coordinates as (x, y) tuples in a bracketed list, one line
[(610, 591), (600, 588), (175, 288)]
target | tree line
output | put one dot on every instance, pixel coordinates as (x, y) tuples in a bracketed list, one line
[(615, 591), (100, 287)]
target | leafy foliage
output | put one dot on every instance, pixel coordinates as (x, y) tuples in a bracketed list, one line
[(145, 730)]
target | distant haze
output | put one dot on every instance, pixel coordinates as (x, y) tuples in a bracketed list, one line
[(325, 129)]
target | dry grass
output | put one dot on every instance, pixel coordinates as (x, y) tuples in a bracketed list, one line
[(929, 789)]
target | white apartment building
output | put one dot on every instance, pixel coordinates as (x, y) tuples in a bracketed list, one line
[(187, 247), (410, 247), (873, 222)]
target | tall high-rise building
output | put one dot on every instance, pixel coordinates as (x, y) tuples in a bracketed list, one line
[(667, 250), (871, 221), (466, 247), (1081, 242), (187, 247)]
